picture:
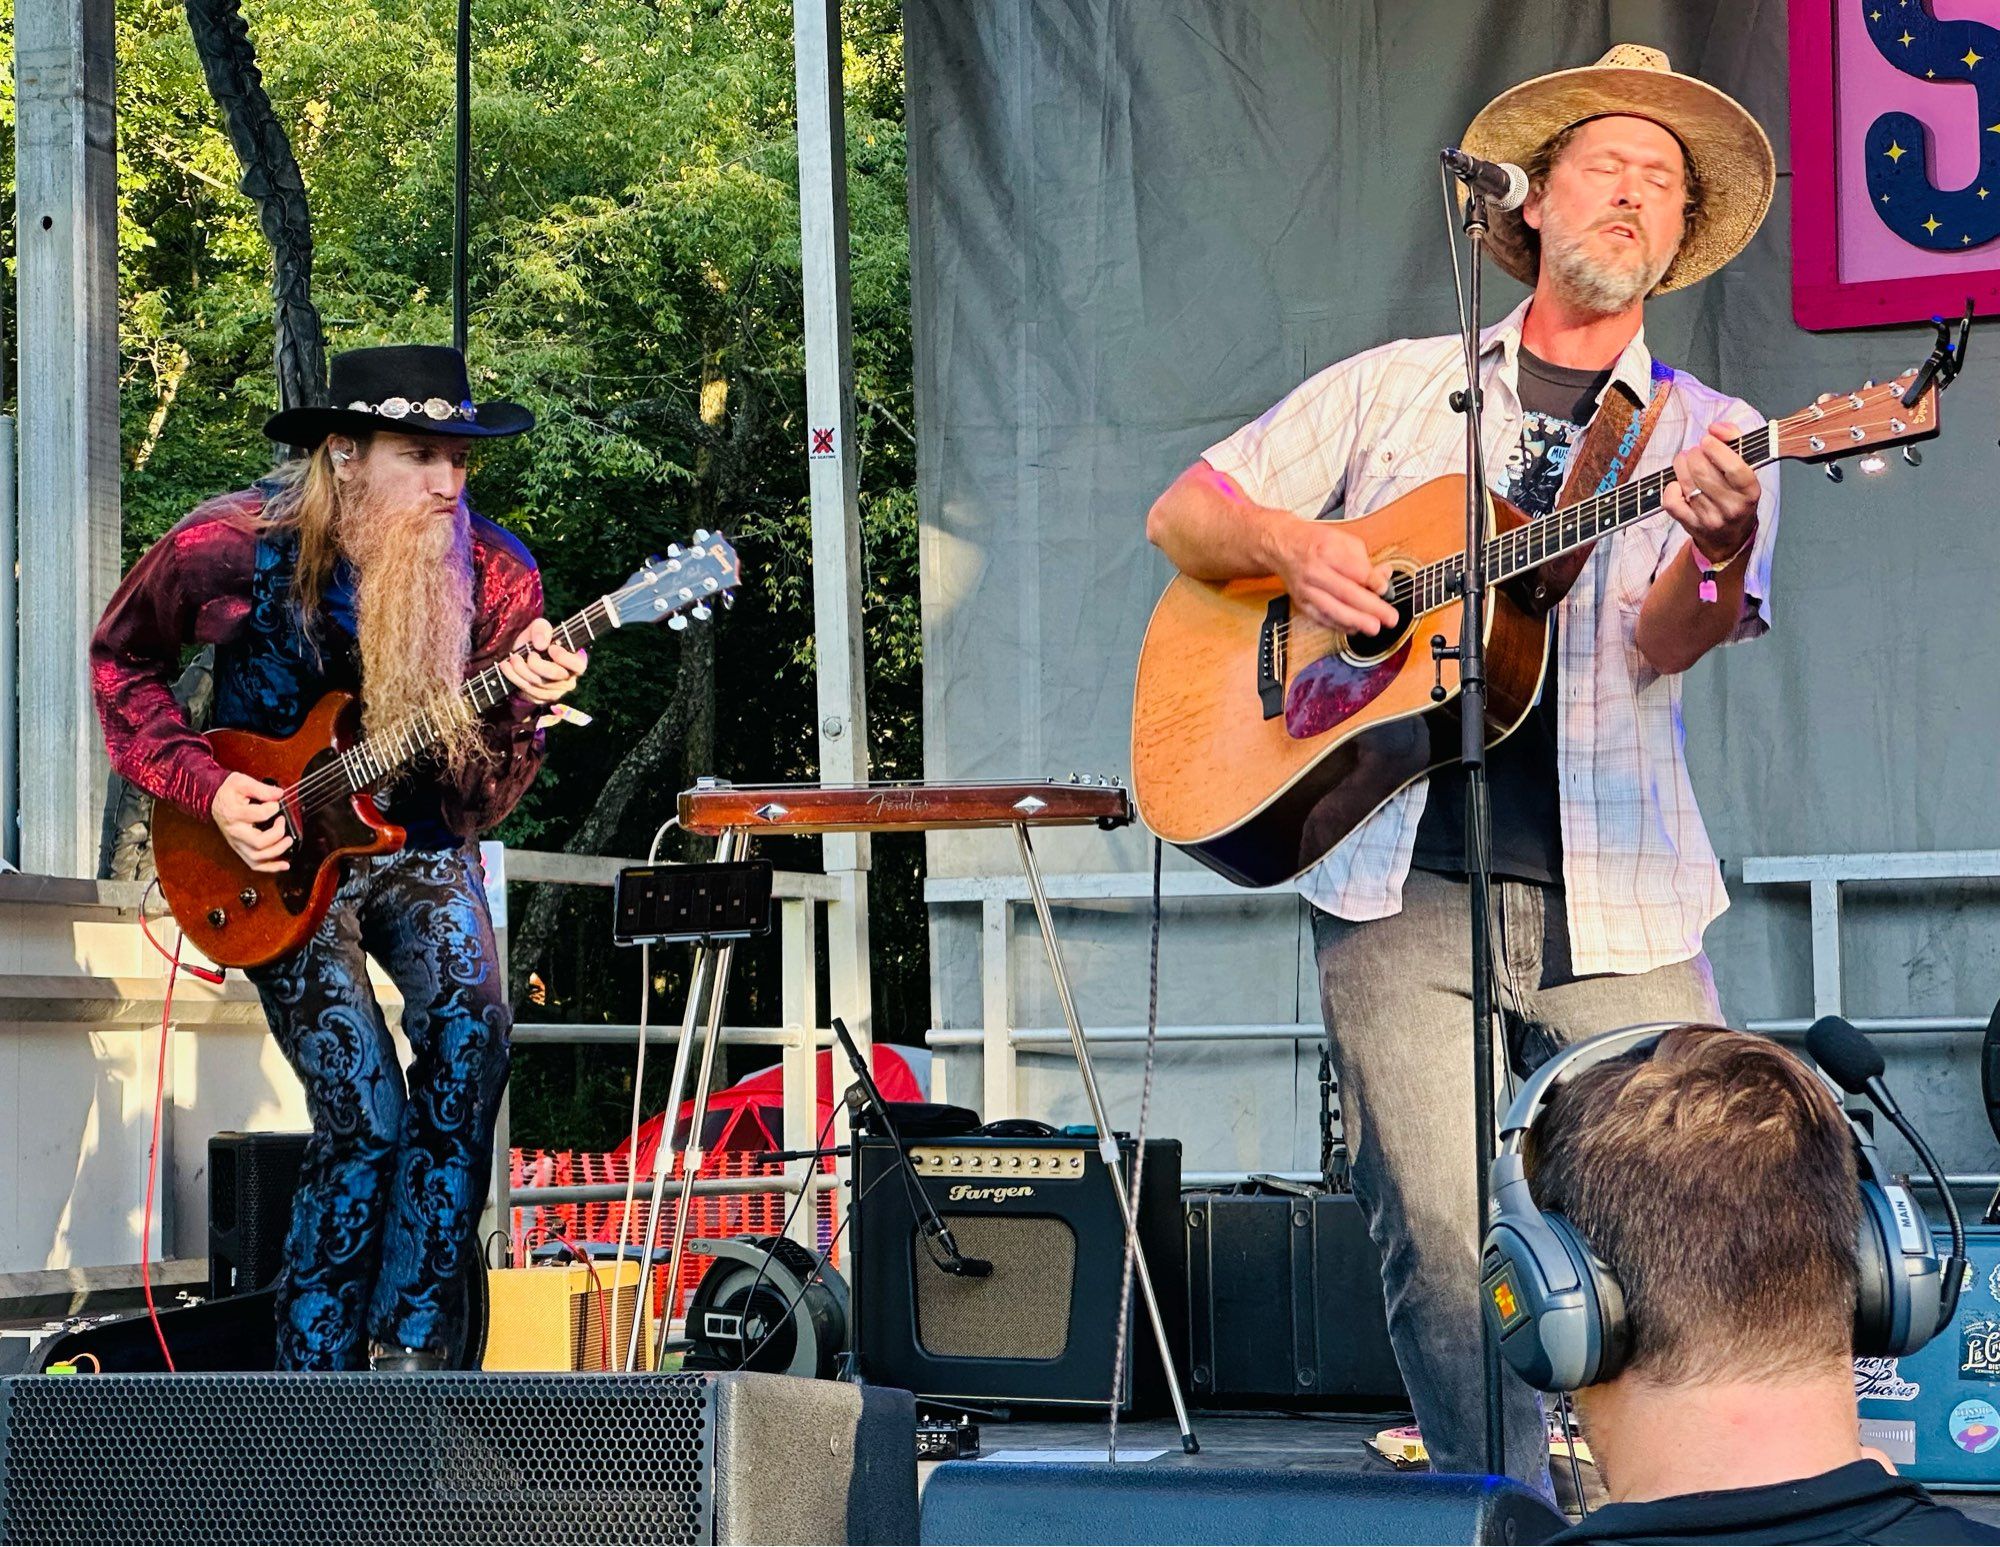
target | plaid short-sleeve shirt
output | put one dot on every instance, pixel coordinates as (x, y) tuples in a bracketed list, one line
[(1641, 879)]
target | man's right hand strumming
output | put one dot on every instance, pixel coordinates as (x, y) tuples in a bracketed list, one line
[(1212, 530), (245, 811)]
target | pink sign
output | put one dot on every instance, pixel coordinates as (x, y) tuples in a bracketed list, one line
[(1895, 160)]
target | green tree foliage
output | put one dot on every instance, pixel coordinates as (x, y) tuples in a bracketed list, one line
[(635, 280)]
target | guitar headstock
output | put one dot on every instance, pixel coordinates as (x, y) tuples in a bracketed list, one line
[(1870, 418), (679, 584)]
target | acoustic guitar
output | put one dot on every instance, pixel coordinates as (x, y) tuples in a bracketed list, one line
[(239, 917), (1261, 739)]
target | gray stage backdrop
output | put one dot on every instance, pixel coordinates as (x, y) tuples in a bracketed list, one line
[(1137, 223)]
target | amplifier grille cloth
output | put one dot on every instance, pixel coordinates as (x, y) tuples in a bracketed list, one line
[(1020, 1312)]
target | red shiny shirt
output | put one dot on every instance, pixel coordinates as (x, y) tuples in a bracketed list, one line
[(193, 587)]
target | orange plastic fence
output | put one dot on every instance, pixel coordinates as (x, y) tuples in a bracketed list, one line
[(708, 1217)]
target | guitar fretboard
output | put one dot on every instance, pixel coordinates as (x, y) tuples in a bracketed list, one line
[(1550, 536), (374, 758)]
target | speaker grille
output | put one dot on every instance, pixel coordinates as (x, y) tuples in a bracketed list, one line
[(1020, 1312), (328, 1458)]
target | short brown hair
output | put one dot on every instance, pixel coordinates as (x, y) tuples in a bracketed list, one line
[(1715, 1176), (1549, 152)]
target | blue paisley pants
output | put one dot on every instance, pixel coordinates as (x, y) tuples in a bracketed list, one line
[(393, 1177)]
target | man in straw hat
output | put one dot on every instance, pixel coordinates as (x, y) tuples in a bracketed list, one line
[(359, 566), (1643, 181)]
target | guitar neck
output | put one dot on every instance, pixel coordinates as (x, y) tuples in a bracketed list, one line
[(1563, 531), (374, 758)]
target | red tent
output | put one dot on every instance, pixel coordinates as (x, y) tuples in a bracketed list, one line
[(749, 1115)]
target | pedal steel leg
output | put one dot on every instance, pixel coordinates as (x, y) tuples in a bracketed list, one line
[(699, 974), (1107, 1142), (691, 1151)]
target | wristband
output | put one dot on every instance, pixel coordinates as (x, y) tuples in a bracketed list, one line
[(1710, 571)]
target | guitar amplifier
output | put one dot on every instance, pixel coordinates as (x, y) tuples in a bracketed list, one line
[(1041, 1328), (1285, 1302)]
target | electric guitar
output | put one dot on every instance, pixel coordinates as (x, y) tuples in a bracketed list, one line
[(1261, 739), (239, 917)]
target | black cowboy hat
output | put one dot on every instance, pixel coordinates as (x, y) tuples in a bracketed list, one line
[(413, 389)]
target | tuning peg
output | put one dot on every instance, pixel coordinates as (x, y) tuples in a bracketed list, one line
[(702, 613), (1834, 473), (653, 558), (673, 551), (728, 600), (677, 622), (700, 535), (1913, 456)]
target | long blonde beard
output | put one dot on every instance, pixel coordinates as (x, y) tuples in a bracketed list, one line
[(413, 612)]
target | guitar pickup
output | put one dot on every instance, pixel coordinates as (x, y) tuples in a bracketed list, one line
[(1272, 652)]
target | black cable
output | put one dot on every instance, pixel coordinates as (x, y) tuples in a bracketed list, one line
[(784, 1231), (813, 1277)]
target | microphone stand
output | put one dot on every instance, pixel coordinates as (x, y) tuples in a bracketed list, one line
[(1470, 654)]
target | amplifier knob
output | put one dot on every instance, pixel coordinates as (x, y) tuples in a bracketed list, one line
[(248, 896), (957, 1161), (217, 917), (1034, 1162)]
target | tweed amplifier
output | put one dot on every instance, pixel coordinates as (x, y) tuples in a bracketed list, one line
[(1041, 1326)]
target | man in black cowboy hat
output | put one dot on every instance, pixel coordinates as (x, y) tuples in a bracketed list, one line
[(359, 566)]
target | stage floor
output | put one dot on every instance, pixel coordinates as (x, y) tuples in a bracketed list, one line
[(1336, 1442)]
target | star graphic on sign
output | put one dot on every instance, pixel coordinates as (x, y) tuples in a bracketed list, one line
[(1982, 193), (1964, 241), (1895, 152), (1906, 40), (1885, 198), (1931, 225), (1972, 58)]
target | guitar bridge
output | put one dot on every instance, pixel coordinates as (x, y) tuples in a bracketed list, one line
[(1273, 651)]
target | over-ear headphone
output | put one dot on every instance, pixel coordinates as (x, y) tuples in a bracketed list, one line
[(1556, 1308)]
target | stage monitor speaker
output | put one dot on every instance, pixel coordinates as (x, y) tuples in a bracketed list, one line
[(252, 1178), (454, 1458), (1041, 1327), (1285, 1304), (993, 1502)]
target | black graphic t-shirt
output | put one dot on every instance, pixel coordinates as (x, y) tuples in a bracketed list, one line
[(1557, 404)]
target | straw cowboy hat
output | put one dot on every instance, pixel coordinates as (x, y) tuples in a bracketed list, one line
[(1724, 144)]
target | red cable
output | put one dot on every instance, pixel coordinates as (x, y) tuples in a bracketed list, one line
[(603, 1307)]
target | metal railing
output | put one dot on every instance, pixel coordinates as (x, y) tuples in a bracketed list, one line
[(1824, 876), (999, 1039), (799, 1039)]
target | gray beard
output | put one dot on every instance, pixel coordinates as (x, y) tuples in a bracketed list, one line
[(1592, 286)]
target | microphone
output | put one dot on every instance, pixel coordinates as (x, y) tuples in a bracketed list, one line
[(955, 1261), (1504, 184), (1856, 1066), (863, 1094)]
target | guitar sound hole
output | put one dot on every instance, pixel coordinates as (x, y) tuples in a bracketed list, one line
[(1366, 649)]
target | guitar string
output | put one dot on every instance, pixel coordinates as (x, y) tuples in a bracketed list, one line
[(1515, 548), (335, 779)]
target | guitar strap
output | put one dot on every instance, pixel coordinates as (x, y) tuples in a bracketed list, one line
[(1610, 450)]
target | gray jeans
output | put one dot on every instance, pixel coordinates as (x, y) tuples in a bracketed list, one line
[(1397, 996)]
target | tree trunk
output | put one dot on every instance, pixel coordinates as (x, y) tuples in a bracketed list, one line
[(272, 181)]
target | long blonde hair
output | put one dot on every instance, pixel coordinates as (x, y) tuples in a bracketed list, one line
[(308, 503)]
